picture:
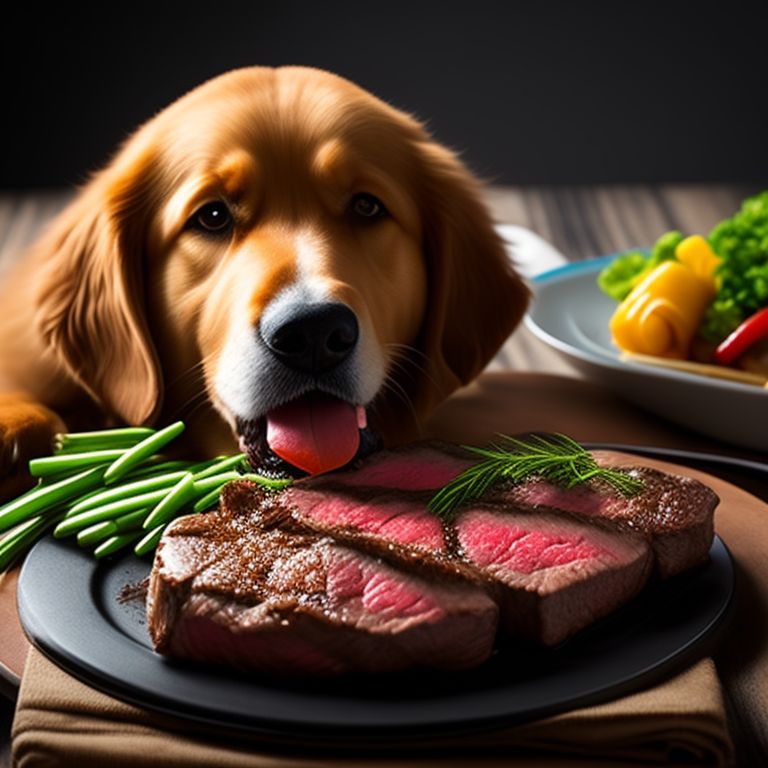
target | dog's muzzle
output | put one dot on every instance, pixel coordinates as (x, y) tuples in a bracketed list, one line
[(319, 429)]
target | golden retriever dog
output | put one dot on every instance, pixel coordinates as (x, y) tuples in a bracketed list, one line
[(278, 258)]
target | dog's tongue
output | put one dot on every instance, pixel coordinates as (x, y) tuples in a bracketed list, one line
[(316, 433)]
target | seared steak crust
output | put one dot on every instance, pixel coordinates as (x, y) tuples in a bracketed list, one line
[(254, 588), (350, 572)]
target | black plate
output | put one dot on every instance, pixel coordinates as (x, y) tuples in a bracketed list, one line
[(69, 608)]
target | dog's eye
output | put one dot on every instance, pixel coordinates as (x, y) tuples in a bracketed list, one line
[(367, 206), (213, 217)]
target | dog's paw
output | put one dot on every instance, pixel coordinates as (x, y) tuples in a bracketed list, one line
[(26, 431)]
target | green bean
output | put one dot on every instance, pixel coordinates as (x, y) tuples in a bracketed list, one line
[(150, 541), (72, 503), (115, 544), (208, 483), (96, 533), (212, 497), (181, 493), (25, 495), (216, 481), (130, 521), (71, 525), (156, 465), (19, 530), (71, 462), (113, 488), (123, 524), (143, 450), (13, 544), (208, 501), (125, 491), (273, 483), (46, 497), (125, 437), (222, 464), (200, 466)]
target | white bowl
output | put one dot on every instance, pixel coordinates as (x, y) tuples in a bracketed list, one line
[(571, 314)]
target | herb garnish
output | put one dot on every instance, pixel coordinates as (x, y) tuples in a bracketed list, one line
[(555, 458)]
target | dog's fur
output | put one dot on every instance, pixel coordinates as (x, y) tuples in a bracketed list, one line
[(124, 312)]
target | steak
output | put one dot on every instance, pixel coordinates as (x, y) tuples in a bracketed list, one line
[(676, 513), (250, 587), (424, 466), (258, 584), (551, 573), (555, 574)]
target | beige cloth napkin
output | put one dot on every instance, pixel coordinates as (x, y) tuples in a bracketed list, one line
[(62, 722)]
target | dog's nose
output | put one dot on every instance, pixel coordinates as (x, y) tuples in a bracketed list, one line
[(312, 338)]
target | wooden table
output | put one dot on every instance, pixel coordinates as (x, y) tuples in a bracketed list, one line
[(581, 222)]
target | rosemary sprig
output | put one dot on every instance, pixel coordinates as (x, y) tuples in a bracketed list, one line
[(555, 458)]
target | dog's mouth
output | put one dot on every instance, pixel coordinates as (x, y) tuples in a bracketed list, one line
[(313, 434)]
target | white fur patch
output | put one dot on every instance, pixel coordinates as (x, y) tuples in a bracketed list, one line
[(250, 381)]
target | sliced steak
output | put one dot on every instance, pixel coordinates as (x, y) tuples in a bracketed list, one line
[(560, 558), (351, 572), (557, 574), (676, 512), (422, 466), (553, 574), (249, 587)]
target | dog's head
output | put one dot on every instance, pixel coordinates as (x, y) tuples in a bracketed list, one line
[(286, 246)]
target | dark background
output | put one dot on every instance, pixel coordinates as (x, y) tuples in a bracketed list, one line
[(529, 92)]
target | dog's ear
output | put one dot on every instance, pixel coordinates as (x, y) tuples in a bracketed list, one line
[(90, 304), (475, 296)]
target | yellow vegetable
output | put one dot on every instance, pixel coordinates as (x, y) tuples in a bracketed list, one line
[(695, 253), (662, 313)]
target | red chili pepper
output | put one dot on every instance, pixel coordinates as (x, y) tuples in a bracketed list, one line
[(750, 331)]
